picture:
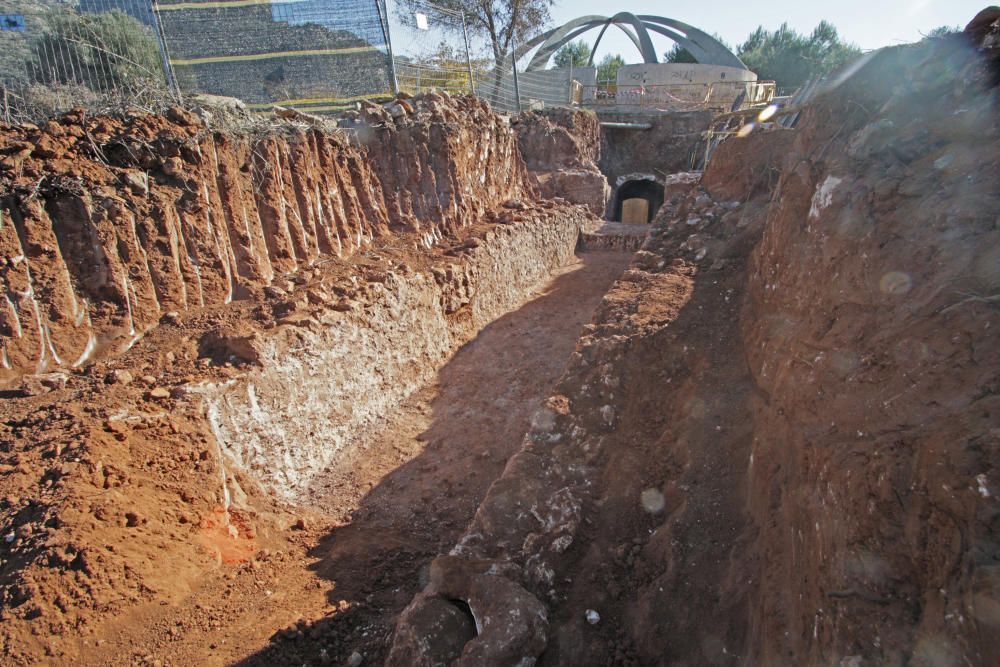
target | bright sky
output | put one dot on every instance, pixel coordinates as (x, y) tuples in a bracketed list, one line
[(868, 24)]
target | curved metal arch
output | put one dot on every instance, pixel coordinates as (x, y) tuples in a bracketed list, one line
[(699, 53), (715, 51), (705, 48), (559, 33), (555, 39), (539, 60), (647, 49)]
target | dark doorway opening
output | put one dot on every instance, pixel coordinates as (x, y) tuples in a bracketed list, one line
[(649, 190)]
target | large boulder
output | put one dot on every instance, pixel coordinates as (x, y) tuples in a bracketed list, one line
[(561, 148), (510, 624), (579, 186)]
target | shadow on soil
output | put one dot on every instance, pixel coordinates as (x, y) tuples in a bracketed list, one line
[(480, 407)]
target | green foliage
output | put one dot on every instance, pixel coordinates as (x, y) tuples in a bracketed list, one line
[(944, 31), (105, 51), (503, 22), (790, 58), (607, 69), (444, 69), (677, 54), (576, 54)]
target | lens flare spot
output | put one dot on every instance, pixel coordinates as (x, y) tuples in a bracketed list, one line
[(986, 610), (697, 408), (987, 267), (767, 113), (895, 283), (745, 130), (652, 501)]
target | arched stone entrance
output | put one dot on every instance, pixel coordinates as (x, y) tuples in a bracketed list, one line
[(636, 199)]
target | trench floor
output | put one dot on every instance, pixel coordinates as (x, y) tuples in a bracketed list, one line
[(374, 523)]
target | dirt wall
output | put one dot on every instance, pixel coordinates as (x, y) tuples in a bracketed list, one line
[(315, 389), (290, 288), (665, 148), (867, 330), (561, 148), (776, 444), (107, 225)]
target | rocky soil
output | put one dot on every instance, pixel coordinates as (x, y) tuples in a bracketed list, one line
[(561, 148), (777, 442), (243, 313), (108, 225), (314, 397)]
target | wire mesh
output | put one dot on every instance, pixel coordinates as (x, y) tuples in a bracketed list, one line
[(431, 51), (434, 52), (56, 55), (314, 55), (718, 96)]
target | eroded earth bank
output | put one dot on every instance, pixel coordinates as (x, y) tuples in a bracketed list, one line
[(303, 395), (777, 442)]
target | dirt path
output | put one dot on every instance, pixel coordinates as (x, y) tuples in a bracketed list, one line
[(379, 518)]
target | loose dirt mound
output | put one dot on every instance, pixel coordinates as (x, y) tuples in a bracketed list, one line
[(106, 225), (777, 444), (561, 148), (131, 516)]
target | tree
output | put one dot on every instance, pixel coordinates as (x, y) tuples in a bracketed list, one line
[(445, 68), (678, 54), (944, 31), (104, 51), (607, 69), (576, 54), (790, 58), (503, 22)]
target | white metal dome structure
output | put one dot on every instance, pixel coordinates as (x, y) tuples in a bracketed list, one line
[(703, 47)]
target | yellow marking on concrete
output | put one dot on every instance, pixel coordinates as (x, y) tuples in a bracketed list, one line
[(317, 100), (223, 4), (273, 54)]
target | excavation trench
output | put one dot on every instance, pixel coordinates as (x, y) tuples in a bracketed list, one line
[(325, 398), (408, 489), (402, 486), (314, 394), (289, 367)]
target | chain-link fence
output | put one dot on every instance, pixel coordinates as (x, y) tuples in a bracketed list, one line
[(314, 55), (436, 48), (432, 50), (717, 96), (525, 91), (55, 55)]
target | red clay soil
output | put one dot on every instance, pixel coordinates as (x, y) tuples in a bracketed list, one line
[(561, 148), (777, 443), (342, 567), (108, 224), (113, 486)]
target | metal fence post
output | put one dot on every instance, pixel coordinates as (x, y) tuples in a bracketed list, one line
[(384, 18), (513, 66), (161, 42), (569, 85), (468, 56)]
